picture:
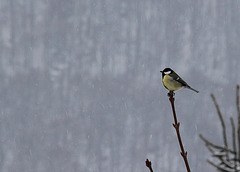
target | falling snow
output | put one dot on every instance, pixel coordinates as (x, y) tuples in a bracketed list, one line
[(81, 88)]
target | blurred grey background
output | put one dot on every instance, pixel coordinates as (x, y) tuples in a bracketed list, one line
[(81, 90)]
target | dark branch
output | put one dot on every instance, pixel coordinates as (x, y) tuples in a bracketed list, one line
[(238, 112), (149, 165), (234, 143), (222, 123), (215, 146), (228, 159), (217, 166), (176, 126)]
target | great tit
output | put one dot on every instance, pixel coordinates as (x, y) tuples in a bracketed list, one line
[(173, 82)]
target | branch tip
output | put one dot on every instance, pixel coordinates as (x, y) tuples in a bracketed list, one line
[(176, 125), (149, 165)]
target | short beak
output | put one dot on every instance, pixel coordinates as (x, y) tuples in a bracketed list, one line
[(161, 71)]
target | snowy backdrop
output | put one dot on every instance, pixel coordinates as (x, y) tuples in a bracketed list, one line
[(81, 91)]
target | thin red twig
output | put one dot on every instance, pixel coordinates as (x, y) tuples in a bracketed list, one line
[(149, 165), (176, 126)]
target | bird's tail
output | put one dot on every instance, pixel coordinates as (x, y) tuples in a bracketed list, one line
[(192, 89)]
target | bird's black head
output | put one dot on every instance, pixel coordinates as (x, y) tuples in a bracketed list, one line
[(166, 71)]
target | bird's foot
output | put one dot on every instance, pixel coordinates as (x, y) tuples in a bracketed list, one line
[(171, 94)]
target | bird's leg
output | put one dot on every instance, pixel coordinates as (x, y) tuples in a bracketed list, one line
[(171, 94)]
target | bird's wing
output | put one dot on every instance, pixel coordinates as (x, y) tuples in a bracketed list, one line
[(179, 79)]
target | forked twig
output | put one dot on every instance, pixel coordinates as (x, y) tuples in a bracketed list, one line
[(228, 159), (215, 146), (222, 123), (218, 167)]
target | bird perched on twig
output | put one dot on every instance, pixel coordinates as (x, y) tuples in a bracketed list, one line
[(173, 82)]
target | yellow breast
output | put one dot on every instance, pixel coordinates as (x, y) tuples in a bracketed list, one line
[(171, 84)]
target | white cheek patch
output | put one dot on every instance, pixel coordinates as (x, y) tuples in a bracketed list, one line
[(168, 72)]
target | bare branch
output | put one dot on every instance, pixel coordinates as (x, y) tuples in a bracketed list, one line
[(217, 166), (215, 146), (234, 142), (176, 126), (222, 123), (237, 100), (227, 159), (149, 165), (238, 112)]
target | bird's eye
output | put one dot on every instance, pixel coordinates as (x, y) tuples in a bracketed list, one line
[(168, 72)]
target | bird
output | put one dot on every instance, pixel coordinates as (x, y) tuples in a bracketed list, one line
[(173, 82)]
